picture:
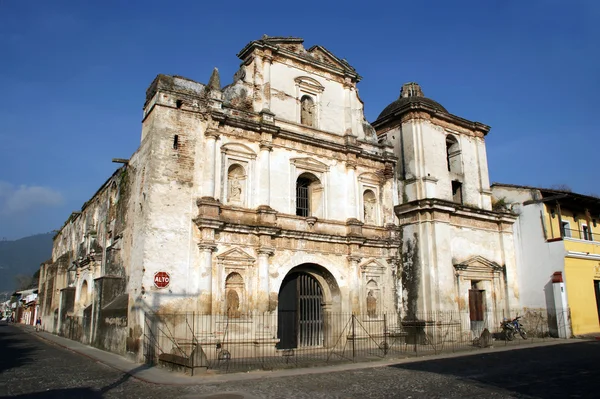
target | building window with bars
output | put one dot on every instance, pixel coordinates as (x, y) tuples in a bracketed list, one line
[(308, 195)]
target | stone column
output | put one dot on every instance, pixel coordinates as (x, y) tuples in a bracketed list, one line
[(267, 61), (352, 190), (210, 167), (354, 283), (205, 284), (347, 106), (258, 76), (264, 182), (262, 300)]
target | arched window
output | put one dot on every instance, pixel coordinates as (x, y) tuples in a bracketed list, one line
[(236, 184), (453, 152), (369, 207), (234, 295), (309, 195), (307, 111)]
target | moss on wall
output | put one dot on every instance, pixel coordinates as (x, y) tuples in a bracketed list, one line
[(411, 276)]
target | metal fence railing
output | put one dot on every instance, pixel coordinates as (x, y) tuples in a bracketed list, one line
[(192, 341)]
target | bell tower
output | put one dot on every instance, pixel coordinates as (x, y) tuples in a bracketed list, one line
[(444, 208), (442, 156)]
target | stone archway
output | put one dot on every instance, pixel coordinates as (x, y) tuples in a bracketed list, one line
[(305, 300)]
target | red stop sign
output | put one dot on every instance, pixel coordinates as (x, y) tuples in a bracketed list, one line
[(161, 279)]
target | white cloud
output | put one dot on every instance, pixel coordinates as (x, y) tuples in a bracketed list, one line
[(19, 199)]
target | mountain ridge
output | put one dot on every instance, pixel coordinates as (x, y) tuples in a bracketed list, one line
[(22, 257)]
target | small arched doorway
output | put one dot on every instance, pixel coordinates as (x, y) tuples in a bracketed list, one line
[(300, 311)]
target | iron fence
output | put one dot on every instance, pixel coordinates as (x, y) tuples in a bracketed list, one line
[(192, 341)]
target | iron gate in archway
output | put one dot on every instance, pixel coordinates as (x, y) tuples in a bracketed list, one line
[(300, 313)]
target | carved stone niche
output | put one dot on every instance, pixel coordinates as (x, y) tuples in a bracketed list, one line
[(234, 271), (372, 276), (372, 270)]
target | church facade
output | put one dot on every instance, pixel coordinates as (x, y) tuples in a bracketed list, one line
[(275, 195)]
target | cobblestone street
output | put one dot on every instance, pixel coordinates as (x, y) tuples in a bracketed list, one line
[(31, 367)]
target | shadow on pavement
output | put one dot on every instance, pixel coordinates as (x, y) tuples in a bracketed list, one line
[(71, 393), (77, 393), (556, 371), (14, 350)]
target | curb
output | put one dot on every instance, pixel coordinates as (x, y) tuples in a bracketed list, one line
[(96, 360), (259, 374)]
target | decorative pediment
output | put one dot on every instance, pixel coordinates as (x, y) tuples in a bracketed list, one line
[(325, 56), (236, 256), (309, 84), (371, 178), (372, 266), (237, 149), (480, 264), (309, 164)]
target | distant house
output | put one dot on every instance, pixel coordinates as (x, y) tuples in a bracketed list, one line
[(558, 252), (27, 306)]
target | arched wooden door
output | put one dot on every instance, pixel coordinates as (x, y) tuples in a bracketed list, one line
[(300, 313)]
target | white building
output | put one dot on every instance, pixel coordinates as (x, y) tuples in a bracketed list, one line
[(274, 194)]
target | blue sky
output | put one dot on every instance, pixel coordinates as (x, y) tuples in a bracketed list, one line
[(73, 76)]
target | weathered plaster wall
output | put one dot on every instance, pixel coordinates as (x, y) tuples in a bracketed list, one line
[(431, 250), (168, 188), (86, 248), (331, 104)]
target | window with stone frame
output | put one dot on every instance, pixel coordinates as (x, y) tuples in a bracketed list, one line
[(309, 193), (308, 92), (457, 194), (453, 155)]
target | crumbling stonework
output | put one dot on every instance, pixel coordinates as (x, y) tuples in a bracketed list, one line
[(239, 192)]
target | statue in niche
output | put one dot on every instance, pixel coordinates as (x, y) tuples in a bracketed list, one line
[(307, 111), (233, 304), (369, 210), (371, 304), (235, 189)]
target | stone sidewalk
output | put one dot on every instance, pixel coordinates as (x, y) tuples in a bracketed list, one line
[(157, 375)]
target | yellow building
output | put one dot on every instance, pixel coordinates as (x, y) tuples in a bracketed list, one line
[(558, 254)]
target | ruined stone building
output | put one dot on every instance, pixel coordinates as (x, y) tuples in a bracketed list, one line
[(274, 194)]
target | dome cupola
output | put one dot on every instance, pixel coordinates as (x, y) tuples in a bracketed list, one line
[(411, 96)]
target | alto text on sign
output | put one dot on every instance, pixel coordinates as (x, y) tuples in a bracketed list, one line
[(161, 279)]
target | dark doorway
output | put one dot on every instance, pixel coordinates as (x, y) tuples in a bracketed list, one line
[(300, 314), (476, 309), (597, 290)]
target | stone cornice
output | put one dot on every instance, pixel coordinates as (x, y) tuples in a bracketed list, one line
[(422, 111), (276, 131), (256, 227), (443, 206)]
